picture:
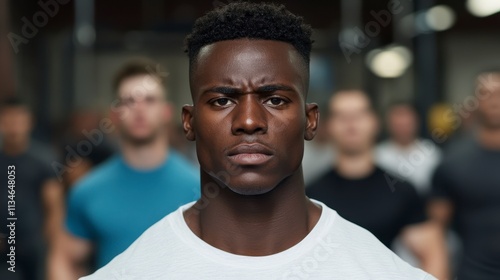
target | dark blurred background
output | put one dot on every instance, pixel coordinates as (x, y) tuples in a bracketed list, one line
[(423, 50)]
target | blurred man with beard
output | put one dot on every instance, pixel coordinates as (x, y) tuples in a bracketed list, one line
[(109, 208), (466, 186)]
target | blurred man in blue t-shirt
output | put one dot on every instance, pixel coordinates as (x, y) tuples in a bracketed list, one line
[(112, 206)]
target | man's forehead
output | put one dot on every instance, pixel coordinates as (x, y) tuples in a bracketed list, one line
[(489, 80), (243, 48), (140, 80), (350, 96), (140, 85), (15, 109)]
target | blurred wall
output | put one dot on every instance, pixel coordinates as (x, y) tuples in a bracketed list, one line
[(6, 67), (464, 54)]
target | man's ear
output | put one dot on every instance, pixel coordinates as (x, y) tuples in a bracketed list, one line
[(312, 119), (187, 121)]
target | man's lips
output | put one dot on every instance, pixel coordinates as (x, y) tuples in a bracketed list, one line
[(249, 154)]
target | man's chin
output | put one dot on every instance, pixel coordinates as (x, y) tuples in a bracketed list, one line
[(245, 183), (250, 181), (352, 151), (493, 124), (250, 190), (140, 140), (253, 183)]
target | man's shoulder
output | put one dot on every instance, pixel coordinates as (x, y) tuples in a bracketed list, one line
[(384, 145), (341, 248), (347, 231), (349, 237), (98, 177), (386, 151), (362, 252), (158, 242)]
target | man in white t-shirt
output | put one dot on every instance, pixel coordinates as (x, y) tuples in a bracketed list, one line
[(249, 78), (404, 154)]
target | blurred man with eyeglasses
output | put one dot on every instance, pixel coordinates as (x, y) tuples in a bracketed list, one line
[(121, 198)]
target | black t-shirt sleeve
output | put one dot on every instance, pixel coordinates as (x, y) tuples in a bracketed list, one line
[(46, 173), (415, 210), (440, 183)]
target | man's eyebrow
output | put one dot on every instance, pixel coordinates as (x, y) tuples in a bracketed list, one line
[(224, 90), (273, 88), (262, 89)]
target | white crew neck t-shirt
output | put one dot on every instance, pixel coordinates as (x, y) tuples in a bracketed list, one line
[(334, 249)]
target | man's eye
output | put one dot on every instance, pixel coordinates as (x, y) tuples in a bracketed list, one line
[(151, 100), (127, 101), (275, 101), (222, 102)]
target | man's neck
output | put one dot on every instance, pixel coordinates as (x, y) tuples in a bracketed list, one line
[(147, 156), (404, 144), (14, 148), (355, 166), (255, 225), (489, 138)]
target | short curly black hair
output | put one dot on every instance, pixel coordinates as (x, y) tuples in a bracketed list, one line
[(238, 20)]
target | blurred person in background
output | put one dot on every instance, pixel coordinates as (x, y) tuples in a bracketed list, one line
[(466, 186), (413, 160), (36, 192), (83, 126), (318, 155), (404, 153), (368, 196), (111, 206)]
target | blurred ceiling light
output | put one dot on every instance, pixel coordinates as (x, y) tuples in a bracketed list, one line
[(483, 8), (441, 17), (391, 62), (437, 18), (85, 35)]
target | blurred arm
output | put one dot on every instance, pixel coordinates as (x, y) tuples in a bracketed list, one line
[(427, 242), (440, 211), (68, 257), (53, 203)]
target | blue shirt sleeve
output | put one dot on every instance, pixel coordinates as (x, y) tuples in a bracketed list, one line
[(77, 222)]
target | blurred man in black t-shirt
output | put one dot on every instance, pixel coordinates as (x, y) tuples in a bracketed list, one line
[(364, 194), (466, 186), (34, 190)]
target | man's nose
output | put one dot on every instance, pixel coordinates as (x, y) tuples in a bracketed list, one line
[(249, 116)]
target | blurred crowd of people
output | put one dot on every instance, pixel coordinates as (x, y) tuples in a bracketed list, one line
[(85, 197)]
